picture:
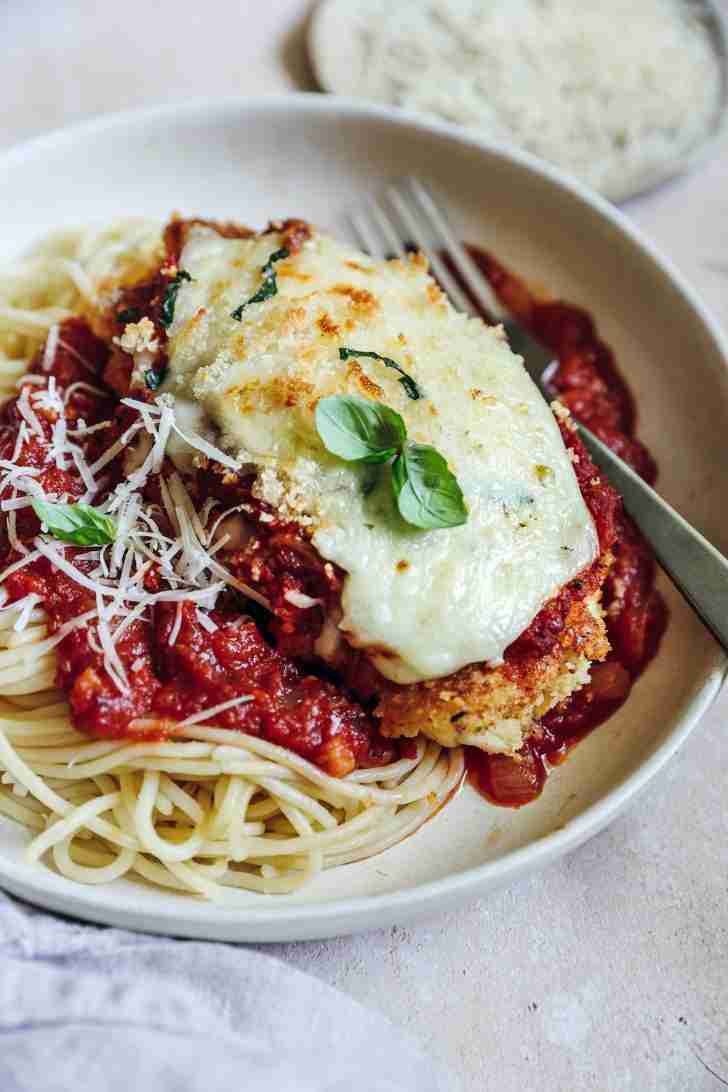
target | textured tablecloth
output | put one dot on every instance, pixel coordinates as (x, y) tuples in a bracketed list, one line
[(101, 1010)]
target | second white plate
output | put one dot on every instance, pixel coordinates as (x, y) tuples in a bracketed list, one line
[(339, 58)]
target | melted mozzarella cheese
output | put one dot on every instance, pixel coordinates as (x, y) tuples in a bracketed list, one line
[(422, 603)]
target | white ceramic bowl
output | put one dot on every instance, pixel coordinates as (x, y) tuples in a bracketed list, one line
[(313, 156)]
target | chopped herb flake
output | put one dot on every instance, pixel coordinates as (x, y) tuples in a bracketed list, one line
[(166, 311), (268, 288), (411, 389), (543, 473), (154, 379), (129, 314)]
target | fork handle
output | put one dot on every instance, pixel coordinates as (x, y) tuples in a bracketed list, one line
[(697, 569)]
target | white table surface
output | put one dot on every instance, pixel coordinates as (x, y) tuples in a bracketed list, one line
[(608, 972)]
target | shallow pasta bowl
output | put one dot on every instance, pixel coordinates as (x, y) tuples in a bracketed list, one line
[(315, 157)]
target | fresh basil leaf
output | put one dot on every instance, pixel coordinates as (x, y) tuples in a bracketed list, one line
[(358, 430), (154, 379), (427, 492), (410, 387), (129, 314), (77, 523), (166, 311), (268, 288)]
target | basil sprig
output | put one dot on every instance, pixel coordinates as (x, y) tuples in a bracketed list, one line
[(79, 523), (358, 430), (425, 489), (166, 311), (428, 494), (410, 387), (268, 288)]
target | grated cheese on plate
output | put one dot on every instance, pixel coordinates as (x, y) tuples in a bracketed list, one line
[(117, 581), (615, 93)]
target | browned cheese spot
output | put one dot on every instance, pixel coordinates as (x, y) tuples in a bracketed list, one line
[(480, 396), (294, 319), (280, 393), (327, 325), (361, 298), (358, 267), (288, 272), (355, 372)]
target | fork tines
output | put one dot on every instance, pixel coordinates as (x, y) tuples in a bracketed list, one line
[(405, 217)]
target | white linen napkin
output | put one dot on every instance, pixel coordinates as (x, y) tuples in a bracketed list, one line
[(86, 1009)]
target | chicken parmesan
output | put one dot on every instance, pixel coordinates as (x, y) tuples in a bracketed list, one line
[(438, 608), (284, 537)]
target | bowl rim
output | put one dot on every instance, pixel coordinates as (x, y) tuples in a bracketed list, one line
[(351, 914)]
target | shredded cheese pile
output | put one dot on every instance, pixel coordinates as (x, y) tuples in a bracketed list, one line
[(612, 92), (187, 562)]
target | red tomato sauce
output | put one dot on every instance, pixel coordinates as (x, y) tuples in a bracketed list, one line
[(604, 505), (589, 383), (289, 705)]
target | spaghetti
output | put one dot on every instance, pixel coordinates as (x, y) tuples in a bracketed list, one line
[(191, 806)]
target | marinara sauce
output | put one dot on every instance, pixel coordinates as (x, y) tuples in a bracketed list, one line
[(589, 383), (174, 665)]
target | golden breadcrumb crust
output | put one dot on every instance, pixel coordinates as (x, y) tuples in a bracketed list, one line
[(495, 708)]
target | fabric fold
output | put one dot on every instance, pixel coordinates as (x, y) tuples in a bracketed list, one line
[(86, 1009)]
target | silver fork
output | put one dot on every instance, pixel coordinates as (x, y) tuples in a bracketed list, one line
[(406, 212)]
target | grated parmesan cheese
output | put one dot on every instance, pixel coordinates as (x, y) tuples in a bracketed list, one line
[(25, 408), (613, 93), (213, 711), (301, 600), (49, 353), (117, 580)]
